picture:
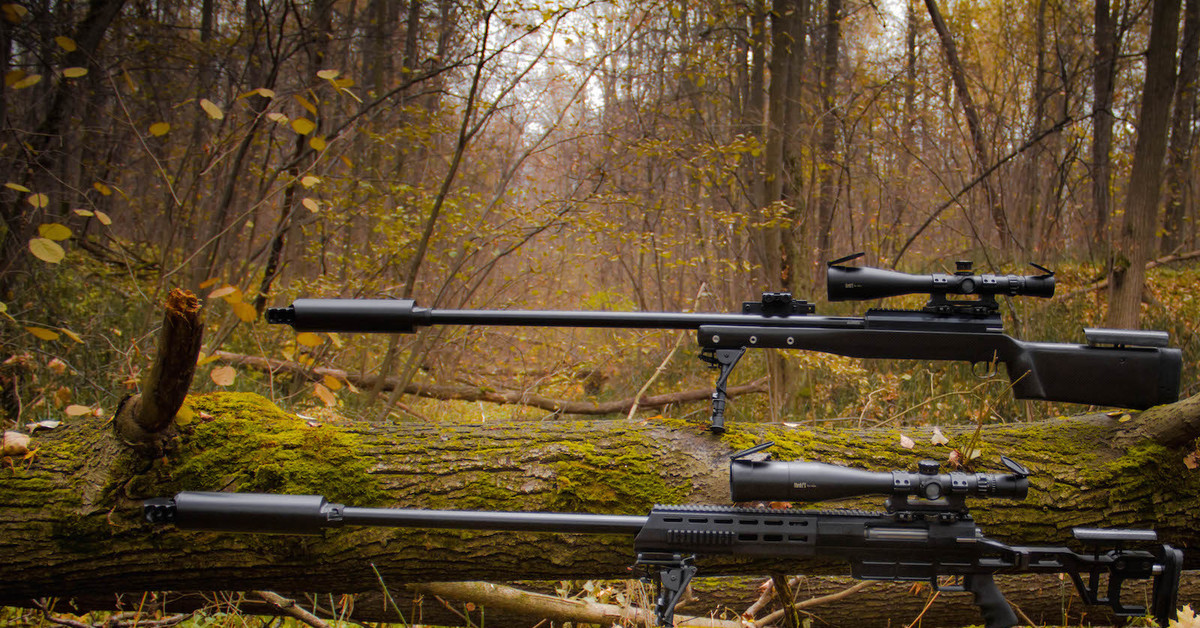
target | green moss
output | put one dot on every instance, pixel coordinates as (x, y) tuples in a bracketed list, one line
[(596, 480), (243, 442)]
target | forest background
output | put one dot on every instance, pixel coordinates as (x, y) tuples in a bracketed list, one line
[(593, 155)]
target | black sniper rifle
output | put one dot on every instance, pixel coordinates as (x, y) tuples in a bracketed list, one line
[(1117, 367), (926, 532)]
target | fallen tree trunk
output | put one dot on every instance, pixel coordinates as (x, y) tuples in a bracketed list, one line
[(70, 516), (489, 395)]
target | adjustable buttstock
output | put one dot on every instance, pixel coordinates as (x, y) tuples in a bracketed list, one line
[(1122, 376)]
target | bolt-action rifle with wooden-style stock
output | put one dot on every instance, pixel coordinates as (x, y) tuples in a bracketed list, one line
[(1117, 367), (925, 534)]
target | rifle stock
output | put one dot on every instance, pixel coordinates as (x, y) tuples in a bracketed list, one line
[(1127, 376)]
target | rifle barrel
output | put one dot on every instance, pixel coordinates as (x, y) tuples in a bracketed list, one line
[(404, 316), (487, 520)]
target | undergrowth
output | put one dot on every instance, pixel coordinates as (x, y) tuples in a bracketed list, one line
[(71, 347)]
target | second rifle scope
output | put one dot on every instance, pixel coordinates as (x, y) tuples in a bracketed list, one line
[(775, 480), (855, 283)]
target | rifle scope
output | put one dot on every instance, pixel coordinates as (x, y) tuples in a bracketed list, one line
[(774, 480), (854, 283)]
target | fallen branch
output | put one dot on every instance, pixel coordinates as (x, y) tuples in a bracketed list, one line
[(475, 393), (542, 606), (1103, 283), (291, 609)]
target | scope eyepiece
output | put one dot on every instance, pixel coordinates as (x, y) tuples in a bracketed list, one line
[(860, 283), (772, 480)]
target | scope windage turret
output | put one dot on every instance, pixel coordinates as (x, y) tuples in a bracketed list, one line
[(774, 480), (857, 283)]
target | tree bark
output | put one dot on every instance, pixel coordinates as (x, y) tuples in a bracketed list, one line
[(70, 516), (826, 190), (1106, 45), (1127, 275), (1179, 195), (141, 418)]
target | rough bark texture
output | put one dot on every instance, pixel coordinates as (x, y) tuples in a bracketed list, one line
[(1127, 276), (70, 524), (142, 417)]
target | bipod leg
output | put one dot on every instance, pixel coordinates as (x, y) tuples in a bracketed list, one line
[(672, 573), (724, 360)]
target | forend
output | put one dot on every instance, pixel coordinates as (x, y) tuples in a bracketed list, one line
[(860, 283)]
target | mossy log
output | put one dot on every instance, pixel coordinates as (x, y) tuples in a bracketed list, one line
[(70, 516)]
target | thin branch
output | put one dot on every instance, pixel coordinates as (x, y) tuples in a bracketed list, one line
[(291, 609)]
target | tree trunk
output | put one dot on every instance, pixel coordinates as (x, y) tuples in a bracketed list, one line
[(827, 192), (978, 142), (70, 514), (1127, 277), (1103, 70), (1179, 154)]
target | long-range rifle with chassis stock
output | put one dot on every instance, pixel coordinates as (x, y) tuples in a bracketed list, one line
[(1117, 367), (924, 534)]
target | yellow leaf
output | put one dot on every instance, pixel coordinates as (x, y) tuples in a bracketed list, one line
[(343, 83), (277, 117), (54, 231), (308, 339), (221, 292), (331, 382), (42, 332), (104, 190), (311, 204), (304, 102), (325, 395), (77, 410), (66, 43), (38, 200), (317, 142), (245, 311), (223, 375), (308, 181), (46, 250), (13, 12), (72, 335), (28, 81), (86, 213), (303, 126), (265, 93), (328, 75), (103, 218), (159, 129), (17, 186), (212, 109), (207, 283), (185, 415), (202, 359), (346, 160), (234, 297), (74, 72)]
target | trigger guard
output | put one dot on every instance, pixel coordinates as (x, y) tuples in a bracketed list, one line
[(990, 370)]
